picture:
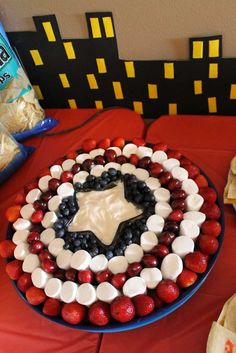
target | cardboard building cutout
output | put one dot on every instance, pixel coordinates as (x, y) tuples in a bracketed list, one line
[(87, 73)]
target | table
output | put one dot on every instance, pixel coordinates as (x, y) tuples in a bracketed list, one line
[(21, 329), (208, 141)]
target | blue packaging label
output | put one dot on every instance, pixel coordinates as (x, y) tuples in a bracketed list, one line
[(10, 69)]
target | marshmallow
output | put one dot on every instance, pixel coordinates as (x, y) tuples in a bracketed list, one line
[(20, 236), (27, 211), (134, 286), (152, 183), (129, 149), (190, 187), (162, 195), (194, 202), (98, 263), (127, 168), (56, 246), (106, 292), (21, 224), (163, 209), (68, 164), (40, 277), (33, 195), (155, 223), (171, 266), (66, 189), (21, 251), (141, 174), (151, 276), (118, 264), (170, 164), (82, 157), (195, 216), (68, 292), (96, 152), (49, 219), (56, 171), (97, 170), (112, 165), (133, 253), (143, 151), (182, 245), (189, 228), (63, 259), (80, 260), (159, 157), (31, 262), (53, 288), (148, 240), (54, 203), (80, 177), (179, 173), (86, 294), (47, 236), (43, 182), (116, 149)]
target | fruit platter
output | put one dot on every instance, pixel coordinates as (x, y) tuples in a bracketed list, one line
[(114, 236)]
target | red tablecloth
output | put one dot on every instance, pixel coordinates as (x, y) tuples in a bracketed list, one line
[(21, 329), (211, 143)]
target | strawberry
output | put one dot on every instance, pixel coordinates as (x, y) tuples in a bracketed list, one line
[(19, 199), (133, 159), (13, 213), (14, 269), (211, 210), (160, 147), (105, 143), (193, 171), (51, 307), (176, 216), (88, 145), (211, 227), (196, 262), (174, 154), (121, 159), (184, 162), (66, 176), (73, 313), (134, 269), (144, 304), (118, 280), (138, 141), (35, 296), (71, 155), (201, 181), (30, 186), (37, 216), (99, 313), (71, 274), (122, 309), (160, 251), (167, 291), (110, 156), (208, 194), (85, 276), (118, 142), (158, 302), (208, 244), (186, 278), (103, 276), (7, 248), (24, 282)]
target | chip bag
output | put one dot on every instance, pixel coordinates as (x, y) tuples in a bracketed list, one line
[(12, 154), (20, 111)]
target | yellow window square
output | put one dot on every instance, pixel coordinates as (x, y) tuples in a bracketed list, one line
[(172, 108), (197, 49), (72, 103), (138, 107), (152, 91), (213, 70), (169, 70), (117, 90), (214, 48), (129, 67), (96, 31), (107, 22), (101, 65), (64, 80), (233, 91), (36, 57), (197, 87), (49, 31), (69, 50), (212, 106), (92, 81)]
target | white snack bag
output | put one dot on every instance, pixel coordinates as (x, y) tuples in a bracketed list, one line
[(19, 106), (222, 336)]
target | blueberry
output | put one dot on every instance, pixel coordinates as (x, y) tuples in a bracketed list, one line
[(76, 248), (59, 215), (136, 240), (62, 206), (90, 178), (66, 246), (118, 252), (85, 185), (138, 198), (73, 210), (118, 173), (146, 189), (128, 234), (141, 185), (73, 235), (78, 186), (112, 172), (105, 175), (94, 251), (66, 212), (109, 254), (103, 183), (97, 186), (58, 225), (128, 242), (60, 233), (149, 197)]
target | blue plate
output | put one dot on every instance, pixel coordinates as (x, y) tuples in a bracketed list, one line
[(156, 314)]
